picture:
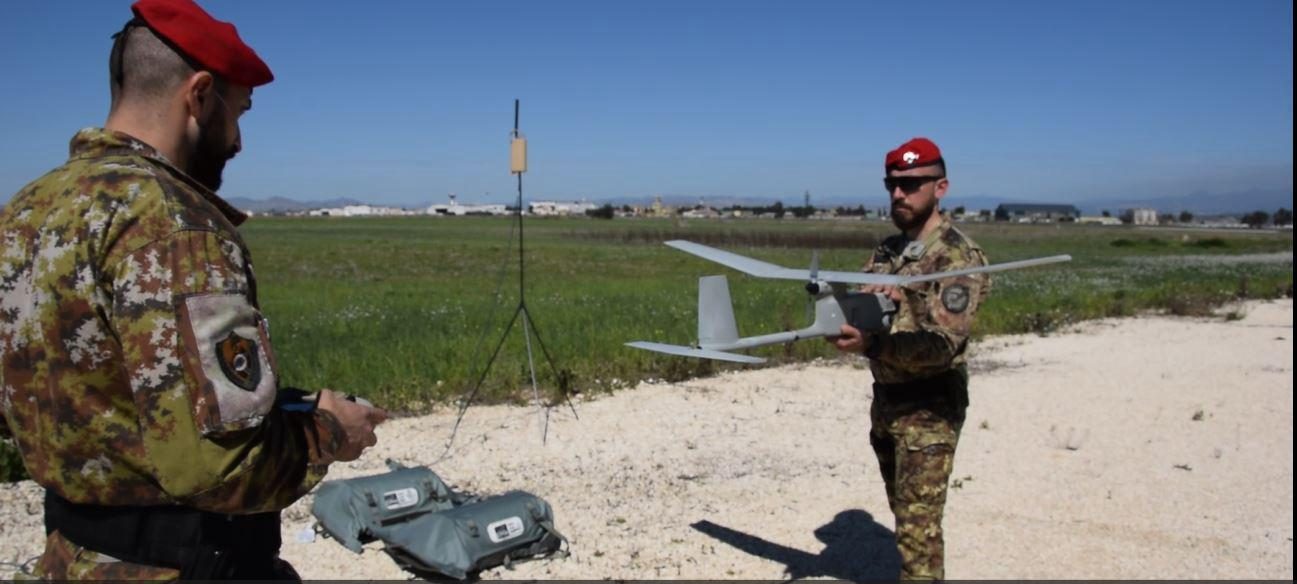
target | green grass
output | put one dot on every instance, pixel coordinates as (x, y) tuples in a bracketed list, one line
[(404, 311)]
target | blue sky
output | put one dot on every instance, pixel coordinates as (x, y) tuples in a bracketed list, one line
[(404, 102)]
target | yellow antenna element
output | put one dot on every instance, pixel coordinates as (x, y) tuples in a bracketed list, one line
[(518, 154)]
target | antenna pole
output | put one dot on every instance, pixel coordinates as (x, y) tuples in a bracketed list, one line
[(518, 163), (521, 271)]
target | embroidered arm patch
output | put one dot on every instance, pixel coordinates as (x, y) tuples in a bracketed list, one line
[(955, 298), (228, 353), (239, 361)]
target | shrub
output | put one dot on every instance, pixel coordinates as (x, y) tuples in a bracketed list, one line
[(1211, 243)]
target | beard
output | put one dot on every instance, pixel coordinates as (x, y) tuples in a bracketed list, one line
[(210, 155), (905, 217)]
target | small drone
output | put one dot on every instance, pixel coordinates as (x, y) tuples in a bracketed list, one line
[(718, 334)]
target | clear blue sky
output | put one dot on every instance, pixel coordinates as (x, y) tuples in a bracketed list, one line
[(403, 102)]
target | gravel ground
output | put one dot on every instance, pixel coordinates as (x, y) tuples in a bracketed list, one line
[(1149, 447)]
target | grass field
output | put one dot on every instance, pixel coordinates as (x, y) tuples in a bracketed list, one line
[(405, 311)]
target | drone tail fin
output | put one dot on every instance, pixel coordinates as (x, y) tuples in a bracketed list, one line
[(715, 312)]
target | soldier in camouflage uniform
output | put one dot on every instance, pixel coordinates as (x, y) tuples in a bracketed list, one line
[(137, 374), (920, 376)]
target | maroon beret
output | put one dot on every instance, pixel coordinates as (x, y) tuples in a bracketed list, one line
[(913, 154), (212, 44)]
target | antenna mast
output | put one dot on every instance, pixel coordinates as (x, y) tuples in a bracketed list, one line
[(518, 166)]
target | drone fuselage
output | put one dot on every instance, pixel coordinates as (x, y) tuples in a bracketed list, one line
[(718, 332)]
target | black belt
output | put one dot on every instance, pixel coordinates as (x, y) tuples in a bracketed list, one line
[(201, 544), (951, 385)]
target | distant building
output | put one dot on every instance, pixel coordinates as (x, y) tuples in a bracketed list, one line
[(358, 211), (660, 210), (346, 211), (457, 210), (975, 215), (628, 211), (555, 208), (701, 212), (1144, 216), (1099, 220), (1036, 213), (1221, 222)]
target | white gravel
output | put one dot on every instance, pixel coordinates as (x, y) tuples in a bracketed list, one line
[(1150, 447)]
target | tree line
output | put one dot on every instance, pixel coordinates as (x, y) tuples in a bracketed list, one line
[(1255, 219)]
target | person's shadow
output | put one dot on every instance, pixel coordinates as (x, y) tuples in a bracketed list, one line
[(856, 548)]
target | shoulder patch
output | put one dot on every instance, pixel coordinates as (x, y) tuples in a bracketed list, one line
[(955, 298), (953, 238), (227, 352)]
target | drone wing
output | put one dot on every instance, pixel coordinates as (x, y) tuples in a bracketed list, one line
[(694, 352), (743, 264), (762, 269), (984, 269)]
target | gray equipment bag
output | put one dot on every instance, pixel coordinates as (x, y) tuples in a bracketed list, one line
[(475, 536), (353, 511), (431, 531)]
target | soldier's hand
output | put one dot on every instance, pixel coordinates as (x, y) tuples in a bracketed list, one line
[(892, 292), (851, 340), (357, 420)]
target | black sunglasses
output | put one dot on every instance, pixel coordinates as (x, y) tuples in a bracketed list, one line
[(908, 184)]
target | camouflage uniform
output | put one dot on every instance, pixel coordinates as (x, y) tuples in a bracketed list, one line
[(921, 386), (135, 365)]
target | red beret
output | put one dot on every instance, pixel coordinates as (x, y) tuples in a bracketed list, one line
[(916, 153), (212, 44)]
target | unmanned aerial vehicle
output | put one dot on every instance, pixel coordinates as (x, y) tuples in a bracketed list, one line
[(718, 334)]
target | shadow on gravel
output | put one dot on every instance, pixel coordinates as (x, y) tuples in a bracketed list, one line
[(856, 548)]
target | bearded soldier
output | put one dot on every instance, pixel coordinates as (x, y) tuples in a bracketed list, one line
[(920, 377), (138, 377)]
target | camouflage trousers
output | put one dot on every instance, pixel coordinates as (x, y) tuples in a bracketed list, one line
[(66, 561), (915, 444)]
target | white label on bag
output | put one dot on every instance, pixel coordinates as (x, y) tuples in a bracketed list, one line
[(504, 529), (400, 498)]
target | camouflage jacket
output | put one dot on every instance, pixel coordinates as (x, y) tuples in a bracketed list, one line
[(135, 365), (930, 330)]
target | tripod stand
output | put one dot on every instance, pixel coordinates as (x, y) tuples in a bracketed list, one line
[(518, 155)]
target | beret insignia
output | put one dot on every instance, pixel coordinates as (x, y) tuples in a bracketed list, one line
[(918, 152)]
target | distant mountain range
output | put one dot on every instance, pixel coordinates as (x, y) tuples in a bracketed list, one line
[(1198, 203)]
